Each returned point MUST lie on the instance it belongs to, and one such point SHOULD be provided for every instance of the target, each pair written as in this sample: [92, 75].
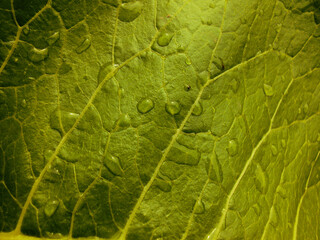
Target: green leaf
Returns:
[145, 119]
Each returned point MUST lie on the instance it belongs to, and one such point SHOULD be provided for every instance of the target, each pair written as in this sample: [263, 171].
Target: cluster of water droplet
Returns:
[171, 107]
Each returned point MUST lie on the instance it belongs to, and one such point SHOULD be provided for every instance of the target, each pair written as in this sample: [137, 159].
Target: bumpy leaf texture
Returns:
[160, 119]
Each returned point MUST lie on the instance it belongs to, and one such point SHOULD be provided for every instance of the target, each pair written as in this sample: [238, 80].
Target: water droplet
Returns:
[68, 119]
[183, 155]
[274, 217]
[234, 85]
[53, 38]
[218, 62]
[164, 39]
[68, 155]
[53, 235]
[202, 78]
[51, 207]
[257, 209]
[243, 20]
[113, 164]
[38, 55]
[77, 89]
[299, 110]
[277, 12]
[130, 11]
[278, 28]
[163, 185]
[15, 59]
[187, 87]
[276, 45]
[173, 107]
[283, 143]
[62, 120]
[232, 203]
[124, 121]
[268, 90]
[42, 132]
[316, 33]
[91, 121]
[305, 108]
[144, 54]
[113, 3]
[26, 30]
[282, 57]
[260, 179]
[188, 61]
[146, 105]
[64, 68]
[274, 150]
[232, 147]
[197, 111]
[47, 154]
[282, 191]
[53, 174]
[206, 21]
[83, 46]
[181, 48]
[23, 103]
[199, 207]
[103, 71]
[214, 168]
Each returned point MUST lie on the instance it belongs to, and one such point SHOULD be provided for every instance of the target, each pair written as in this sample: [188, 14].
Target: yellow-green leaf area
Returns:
[173, 119]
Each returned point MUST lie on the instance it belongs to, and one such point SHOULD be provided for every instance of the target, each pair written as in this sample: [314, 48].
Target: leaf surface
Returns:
[173, 119]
